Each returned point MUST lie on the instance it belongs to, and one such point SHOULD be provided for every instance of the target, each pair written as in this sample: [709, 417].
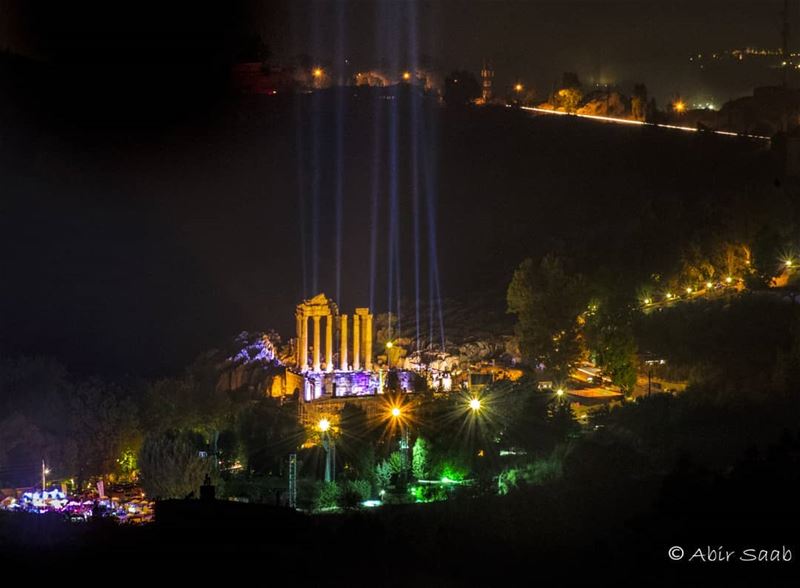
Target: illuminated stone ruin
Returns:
[351, 373]
[320, 307]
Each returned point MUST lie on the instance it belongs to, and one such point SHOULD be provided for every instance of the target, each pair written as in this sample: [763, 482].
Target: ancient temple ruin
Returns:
[318, 308]
[351, 372]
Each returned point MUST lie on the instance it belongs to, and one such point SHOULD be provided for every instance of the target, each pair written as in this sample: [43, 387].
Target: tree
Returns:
[420, 462]
[461, 88]
[172, 466]
[639, 102]
[547, 302]
[568, 99]
[356, 442]
[102, 423]
[268, 432]
[609, 335]
[383, 475]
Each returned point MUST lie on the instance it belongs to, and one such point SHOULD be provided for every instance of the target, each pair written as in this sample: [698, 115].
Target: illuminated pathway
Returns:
[625, 121]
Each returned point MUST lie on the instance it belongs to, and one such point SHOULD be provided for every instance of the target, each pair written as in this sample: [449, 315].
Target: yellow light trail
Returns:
[641, 123]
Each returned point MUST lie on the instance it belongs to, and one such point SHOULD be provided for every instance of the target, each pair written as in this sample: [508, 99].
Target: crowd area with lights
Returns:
[130, 506]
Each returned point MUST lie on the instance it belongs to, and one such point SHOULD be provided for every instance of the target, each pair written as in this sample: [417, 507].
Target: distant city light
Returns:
[709, 285]
[324, 425]
[317, 73]
[389, 345]
[406, 75]
[728, 280]
[560, 392]
[518, 87]
[679, 106]
[688, 290]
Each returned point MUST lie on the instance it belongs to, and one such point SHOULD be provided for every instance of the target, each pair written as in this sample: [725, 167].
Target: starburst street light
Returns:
[679, 106]
[330, 449]
[518, 87]
[317, 72]
[475, 404]
[396, 412]
[406, 75]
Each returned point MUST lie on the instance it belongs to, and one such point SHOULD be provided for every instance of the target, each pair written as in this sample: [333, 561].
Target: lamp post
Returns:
[397, 414]
[330, 450]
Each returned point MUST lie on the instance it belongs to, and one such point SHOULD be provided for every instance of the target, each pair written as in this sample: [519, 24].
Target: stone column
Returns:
[356, 342]
[368, 342]
[304, 343]
[343, 344]
[298, 339]
[329, 343]
[316, 318]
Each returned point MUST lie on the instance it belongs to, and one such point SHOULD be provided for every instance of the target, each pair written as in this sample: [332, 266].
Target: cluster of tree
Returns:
[562, 317]
[78, 428]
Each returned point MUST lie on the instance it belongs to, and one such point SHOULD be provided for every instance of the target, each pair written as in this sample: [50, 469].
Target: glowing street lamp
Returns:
[709, 285]
[406, 75]
[330, 449]
[560, 392]
[518, 87]
[475, 404]
[317, 72]
[679, 106]
[396, 414]
[788, 263]
[389, 345]
[728, 280]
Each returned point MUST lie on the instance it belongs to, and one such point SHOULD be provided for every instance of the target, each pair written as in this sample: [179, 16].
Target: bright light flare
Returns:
[317, 72]
[679, 106]
[406, 75]
[475, 404]
[396, 412]
[518, 87]
[324, 425]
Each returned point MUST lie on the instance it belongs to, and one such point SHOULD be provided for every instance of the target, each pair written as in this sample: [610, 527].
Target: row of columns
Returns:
[362, 333]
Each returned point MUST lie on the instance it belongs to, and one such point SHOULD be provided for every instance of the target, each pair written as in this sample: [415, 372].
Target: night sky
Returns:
[144, 216]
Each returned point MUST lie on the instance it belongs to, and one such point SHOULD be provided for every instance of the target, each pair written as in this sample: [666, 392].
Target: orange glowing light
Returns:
[679, 106]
